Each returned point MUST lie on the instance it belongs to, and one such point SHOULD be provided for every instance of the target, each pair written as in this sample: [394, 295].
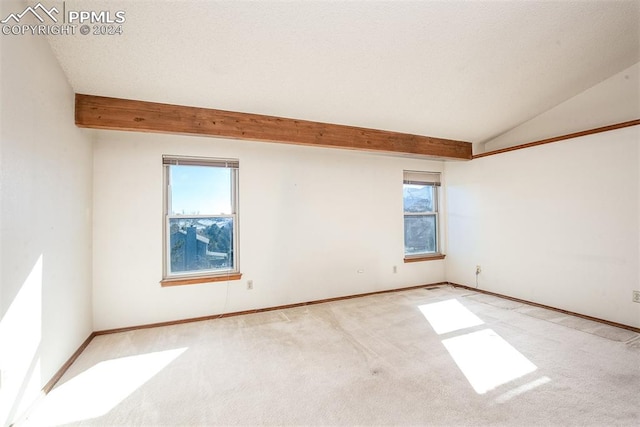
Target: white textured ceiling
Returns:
[452, 69]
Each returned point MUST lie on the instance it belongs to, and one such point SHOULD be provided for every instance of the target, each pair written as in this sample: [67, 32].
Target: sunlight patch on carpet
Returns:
[487, 360]
[102, 387]
[505, 397]
[449, 316]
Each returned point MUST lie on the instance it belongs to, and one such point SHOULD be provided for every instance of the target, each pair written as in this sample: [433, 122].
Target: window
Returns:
[201, 220]
[420, 199]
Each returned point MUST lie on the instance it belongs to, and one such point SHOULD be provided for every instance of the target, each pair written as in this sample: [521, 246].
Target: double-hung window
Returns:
[420, 199]
[201, 220]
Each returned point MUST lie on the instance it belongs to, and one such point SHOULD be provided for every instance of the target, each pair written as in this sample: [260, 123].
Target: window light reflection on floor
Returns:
[505, 397]
[485, 358]
[99, 389]
[449, 316]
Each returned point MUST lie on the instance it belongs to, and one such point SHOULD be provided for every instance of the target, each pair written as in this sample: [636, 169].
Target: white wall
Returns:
[45, 221]
[556, 224]
[310, 218]
[615, 100]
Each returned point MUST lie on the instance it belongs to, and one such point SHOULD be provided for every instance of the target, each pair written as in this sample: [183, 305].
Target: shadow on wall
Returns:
[20, 341]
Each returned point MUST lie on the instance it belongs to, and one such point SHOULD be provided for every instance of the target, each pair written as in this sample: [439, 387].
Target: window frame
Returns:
[432, 179]
[201, 276]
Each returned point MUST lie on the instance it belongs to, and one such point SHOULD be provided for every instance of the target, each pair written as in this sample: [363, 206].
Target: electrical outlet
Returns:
[249, 284]
[478, 270]
[636, 296]
[395, 269]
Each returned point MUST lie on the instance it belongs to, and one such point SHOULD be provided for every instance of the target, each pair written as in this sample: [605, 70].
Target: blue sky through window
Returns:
[200, 190]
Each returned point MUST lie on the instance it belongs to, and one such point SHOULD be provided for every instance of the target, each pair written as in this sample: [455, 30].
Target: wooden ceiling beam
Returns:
[98, 112]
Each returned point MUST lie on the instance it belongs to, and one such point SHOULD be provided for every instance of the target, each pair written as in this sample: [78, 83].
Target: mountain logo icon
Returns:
[39, 11]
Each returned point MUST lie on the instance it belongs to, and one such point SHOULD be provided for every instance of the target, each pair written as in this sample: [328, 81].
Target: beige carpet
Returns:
[422, 357]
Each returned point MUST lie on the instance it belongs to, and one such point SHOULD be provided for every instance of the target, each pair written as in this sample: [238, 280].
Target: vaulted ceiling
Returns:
[465, 70]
